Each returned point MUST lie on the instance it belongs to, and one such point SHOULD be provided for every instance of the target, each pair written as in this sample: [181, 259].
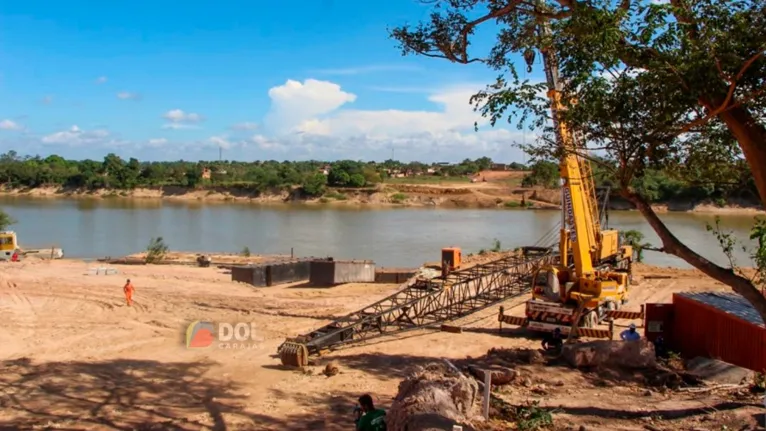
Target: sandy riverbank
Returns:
[500, 191]
[75, 356]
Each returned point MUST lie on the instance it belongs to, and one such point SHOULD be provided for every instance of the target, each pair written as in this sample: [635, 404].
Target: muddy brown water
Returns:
[402, 237]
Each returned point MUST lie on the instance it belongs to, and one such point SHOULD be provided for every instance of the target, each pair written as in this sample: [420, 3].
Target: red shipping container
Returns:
[721, 326]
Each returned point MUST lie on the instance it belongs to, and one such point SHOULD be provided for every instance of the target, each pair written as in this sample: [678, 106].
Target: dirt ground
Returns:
[74, 356]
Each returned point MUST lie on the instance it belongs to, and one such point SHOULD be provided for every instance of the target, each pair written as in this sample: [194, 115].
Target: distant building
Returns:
[499, 167]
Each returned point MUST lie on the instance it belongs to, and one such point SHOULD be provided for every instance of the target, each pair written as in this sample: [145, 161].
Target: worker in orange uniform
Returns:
[128, 289]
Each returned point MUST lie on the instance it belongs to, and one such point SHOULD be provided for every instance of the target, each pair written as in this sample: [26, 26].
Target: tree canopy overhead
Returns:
[667, 69]
[676, 85]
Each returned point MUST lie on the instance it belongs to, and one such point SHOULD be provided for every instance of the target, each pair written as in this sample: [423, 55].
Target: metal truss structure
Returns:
[423, 303]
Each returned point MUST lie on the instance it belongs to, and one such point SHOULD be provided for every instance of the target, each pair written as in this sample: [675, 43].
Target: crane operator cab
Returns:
[548, 285]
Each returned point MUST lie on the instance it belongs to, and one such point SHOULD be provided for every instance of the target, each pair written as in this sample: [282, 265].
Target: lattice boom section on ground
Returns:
[428, 302]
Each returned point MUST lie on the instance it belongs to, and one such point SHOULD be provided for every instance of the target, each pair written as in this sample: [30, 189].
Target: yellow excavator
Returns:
[593, 274]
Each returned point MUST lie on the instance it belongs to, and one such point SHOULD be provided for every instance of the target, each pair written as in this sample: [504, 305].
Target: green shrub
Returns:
[156, 250]
[398, 198]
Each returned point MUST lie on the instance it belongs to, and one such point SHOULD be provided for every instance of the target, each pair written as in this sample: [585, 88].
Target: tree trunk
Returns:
[752, 140]
[672, 245]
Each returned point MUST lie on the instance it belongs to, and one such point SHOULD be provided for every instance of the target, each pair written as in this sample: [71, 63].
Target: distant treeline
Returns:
[679, 184]
[313, 177]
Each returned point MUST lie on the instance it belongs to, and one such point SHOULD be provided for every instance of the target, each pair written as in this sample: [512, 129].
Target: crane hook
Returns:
[529, 57]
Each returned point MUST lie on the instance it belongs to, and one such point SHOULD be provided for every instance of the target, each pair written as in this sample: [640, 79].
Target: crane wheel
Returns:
[293, 354]
[590, 320]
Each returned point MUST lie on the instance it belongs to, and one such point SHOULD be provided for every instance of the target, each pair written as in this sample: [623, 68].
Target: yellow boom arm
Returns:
[580, 228]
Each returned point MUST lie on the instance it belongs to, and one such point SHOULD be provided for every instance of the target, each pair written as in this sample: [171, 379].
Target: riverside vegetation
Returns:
[307, 179]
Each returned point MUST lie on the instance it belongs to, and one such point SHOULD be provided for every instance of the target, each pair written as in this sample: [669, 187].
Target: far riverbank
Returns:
[472, 196]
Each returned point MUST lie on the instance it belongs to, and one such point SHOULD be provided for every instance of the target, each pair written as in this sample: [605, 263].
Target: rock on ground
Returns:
[626, 354]
[500, 375]
[434, 398]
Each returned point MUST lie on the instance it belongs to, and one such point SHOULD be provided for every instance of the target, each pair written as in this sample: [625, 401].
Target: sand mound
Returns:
[632, 354]
[432, 398]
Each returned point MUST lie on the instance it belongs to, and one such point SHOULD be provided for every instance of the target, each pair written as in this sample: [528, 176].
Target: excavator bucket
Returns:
[294, 354]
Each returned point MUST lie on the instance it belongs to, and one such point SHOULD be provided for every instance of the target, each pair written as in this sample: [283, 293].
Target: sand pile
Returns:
[434, 398]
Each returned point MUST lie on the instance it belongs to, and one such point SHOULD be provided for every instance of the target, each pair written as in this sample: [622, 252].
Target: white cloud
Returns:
[179, 119]
[179, 116]
[75, 136]
[295, 102]
[156, 142]
[101, 80]
[311, 118]
[9, 125]
[245, 126]
[220, 141]
[126, 95]
[317, 119]
[313, 108]
[179, 126]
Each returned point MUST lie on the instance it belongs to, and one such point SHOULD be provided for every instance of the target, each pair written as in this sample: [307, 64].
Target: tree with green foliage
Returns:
[314, 185]
[676, 86]
[273, 177]
[542, 173]
[356, 180]
[6, 220]
[156, 250]
[635, 239]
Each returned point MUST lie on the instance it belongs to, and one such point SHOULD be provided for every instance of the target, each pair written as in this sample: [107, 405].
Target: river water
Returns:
[405, 237]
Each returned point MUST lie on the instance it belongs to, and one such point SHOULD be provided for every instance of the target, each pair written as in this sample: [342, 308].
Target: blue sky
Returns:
[169, 80]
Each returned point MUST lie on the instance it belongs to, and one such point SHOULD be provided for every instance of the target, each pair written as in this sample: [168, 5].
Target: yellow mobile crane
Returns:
[593, 274]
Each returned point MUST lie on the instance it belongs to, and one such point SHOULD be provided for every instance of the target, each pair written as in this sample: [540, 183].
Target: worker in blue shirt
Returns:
[630, 334]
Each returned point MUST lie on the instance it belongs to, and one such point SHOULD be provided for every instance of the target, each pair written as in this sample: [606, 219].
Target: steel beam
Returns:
[425, 302]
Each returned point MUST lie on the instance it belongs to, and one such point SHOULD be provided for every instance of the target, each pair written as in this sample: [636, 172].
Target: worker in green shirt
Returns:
[368, 418]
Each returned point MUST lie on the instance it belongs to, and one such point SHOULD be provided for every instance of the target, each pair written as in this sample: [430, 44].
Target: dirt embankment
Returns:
[498, 190]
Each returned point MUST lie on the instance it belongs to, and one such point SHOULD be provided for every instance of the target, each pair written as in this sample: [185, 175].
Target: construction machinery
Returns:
[592, 275]
[422, 302]
[8, 245]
